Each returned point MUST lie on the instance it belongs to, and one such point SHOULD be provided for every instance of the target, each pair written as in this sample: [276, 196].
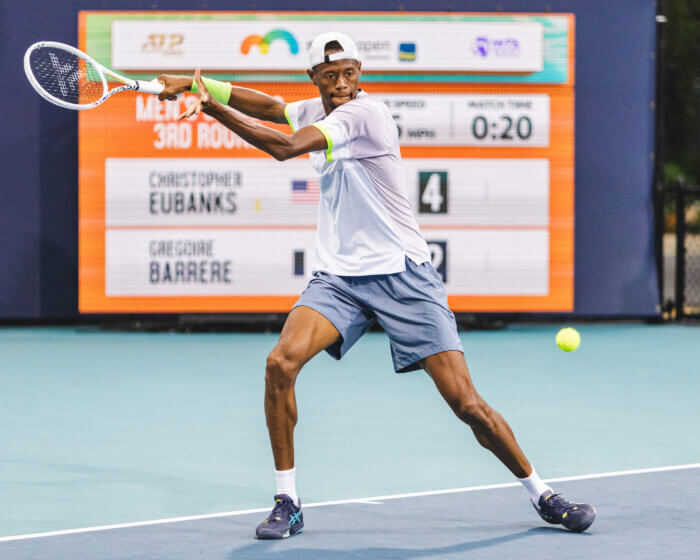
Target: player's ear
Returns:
[311, 76]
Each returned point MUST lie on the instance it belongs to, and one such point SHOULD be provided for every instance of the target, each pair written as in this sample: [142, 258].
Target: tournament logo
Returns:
[407, 52]
[375, 50]
[481, 46]
[167, 44]
[263, 42]
[507, 47]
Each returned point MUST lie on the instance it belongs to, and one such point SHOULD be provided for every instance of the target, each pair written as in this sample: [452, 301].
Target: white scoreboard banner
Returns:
[219, 226]
[243, 191]
[490, 120]
[470, 120]
[283, 45]
[168, 262]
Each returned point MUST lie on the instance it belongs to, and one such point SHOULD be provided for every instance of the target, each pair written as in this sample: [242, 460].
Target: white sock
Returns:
[286, 484]
[534, 486]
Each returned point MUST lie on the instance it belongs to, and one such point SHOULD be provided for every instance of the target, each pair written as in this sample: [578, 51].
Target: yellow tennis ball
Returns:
[568, 339]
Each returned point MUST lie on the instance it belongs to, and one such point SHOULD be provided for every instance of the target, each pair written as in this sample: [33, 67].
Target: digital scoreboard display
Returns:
[178, 217]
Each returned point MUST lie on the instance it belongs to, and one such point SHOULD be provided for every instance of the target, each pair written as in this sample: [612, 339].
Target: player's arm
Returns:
[279, 145]
[249, 101]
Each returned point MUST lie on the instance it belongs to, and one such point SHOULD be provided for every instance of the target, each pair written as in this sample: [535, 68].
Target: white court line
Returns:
[341, 502]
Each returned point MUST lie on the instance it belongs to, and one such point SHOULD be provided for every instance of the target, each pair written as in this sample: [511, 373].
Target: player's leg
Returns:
[451, 376]
[412, 308]
[305, 333]
[327, 316]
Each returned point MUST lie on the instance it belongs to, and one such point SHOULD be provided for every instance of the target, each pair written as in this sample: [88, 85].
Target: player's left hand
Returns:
[204, 99]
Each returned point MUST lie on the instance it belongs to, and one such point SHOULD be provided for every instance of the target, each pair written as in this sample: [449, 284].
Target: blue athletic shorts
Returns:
[411, 306]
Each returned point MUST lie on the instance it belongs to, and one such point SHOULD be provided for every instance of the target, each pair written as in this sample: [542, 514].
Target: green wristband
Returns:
[221, 91]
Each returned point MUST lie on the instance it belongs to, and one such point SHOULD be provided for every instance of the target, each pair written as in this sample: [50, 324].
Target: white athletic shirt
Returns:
[365, 223]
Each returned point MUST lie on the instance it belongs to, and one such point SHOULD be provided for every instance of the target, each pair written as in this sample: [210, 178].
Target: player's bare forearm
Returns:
[257, 104]
[253, 103]
[279, 145]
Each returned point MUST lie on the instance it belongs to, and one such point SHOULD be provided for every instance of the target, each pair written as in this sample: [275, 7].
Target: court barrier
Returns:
[687, 269]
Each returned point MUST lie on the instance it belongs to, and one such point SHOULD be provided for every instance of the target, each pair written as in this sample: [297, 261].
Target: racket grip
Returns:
[154, 86]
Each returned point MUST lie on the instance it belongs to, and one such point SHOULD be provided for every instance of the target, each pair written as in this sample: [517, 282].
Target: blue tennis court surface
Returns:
[640, 517]
[104, 428]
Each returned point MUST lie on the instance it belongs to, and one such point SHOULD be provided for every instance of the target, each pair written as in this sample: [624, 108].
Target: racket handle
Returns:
[154, 86]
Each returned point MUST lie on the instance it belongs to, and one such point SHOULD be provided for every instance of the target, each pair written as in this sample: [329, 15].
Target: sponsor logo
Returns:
[407, 52]
[507, 47]
[167, 44]
[375, 50]
[369, 47]
[370, 50]
[66, 74]
[305, 191]
[263, 42]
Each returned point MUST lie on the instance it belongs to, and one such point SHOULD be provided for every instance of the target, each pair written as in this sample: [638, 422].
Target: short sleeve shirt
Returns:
[365, 221]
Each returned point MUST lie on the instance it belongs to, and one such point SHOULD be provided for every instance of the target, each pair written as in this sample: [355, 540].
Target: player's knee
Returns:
[281, 371]
[472, 410]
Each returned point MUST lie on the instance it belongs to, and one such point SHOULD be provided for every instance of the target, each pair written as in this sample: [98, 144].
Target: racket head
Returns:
[65, 76]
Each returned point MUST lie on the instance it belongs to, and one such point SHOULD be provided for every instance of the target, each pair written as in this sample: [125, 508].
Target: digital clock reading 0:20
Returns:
[477, 120]
[507, 127]
[504, 120]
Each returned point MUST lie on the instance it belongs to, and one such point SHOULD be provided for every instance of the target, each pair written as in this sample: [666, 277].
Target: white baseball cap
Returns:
[317, 52]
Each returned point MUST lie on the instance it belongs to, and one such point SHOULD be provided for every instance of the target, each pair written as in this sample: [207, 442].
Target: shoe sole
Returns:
[284, 535]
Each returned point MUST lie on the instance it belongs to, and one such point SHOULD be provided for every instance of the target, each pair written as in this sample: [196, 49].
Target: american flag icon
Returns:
[305, 191]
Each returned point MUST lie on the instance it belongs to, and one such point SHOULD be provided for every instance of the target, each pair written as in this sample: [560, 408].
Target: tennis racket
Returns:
[69, 78]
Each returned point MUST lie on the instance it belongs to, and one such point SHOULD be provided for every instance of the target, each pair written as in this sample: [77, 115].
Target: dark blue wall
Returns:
[615, 273]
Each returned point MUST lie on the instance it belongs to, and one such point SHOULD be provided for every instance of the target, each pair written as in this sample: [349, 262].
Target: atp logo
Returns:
[264, 43]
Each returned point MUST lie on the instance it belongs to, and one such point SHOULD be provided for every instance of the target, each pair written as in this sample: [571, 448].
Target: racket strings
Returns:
[66, 76]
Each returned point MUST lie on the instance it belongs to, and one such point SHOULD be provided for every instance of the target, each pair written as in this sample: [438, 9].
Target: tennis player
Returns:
[371, 265]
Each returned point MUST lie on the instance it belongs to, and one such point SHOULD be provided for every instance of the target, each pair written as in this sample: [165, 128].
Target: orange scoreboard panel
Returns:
[179, 217]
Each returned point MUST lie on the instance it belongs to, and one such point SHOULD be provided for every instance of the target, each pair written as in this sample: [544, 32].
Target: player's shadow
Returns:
[271, 550]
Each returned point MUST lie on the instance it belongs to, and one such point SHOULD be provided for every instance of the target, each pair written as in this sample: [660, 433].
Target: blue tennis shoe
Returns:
[285, 520]
[558, 511]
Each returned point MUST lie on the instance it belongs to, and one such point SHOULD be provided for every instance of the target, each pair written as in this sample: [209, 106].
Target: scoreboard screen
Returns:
[178, 217]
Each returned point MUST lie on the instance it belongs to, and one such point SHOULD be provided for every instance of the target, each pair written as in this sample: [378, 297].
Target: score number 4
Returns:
[432, 192]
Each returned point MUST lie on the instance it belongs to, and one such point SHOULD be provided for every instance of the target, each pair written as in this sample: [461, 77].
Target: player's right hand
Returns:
[173, 86]
[204, 99]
